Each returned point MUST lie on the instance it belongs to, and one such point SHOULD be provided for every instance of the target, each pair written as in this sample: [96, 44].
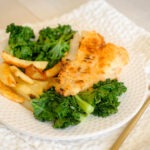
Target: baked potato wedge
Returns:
[23, 63]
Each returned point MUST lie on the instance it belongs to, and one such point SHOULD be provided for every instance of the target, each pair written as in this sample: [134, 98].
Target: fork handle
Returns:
[130, 126]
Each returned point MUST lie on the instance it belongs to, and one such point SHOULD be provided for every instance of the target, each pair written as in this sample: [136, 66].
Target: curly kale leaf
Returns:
[104, 97]
[54, 42]
[21, 42]
[62, 111]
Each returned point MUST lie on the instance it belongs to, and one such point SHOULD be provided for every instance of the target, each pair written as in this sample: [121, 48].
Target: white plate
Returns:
[18, 118]
[116, 29]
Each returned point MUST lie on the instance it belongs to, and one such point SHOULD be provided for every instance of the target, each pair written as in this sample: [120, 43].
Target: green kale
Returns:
[54, 43]
[62, 111]
[51, 45]
[21, 42]
[101, 100]
[104, 97]
[86, 107]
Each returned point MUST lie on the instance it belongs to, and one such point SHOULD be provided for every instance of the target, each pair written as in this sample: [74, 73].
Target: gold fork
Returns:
[130, 126]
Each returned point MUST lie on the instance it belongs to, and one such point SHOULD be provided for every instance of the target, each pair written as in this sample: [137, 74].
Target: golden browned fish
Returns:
[94, 61]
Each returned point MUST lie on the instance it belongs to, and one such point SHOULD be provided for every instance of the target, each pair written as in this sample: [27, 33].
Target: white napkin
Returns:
[50, 8]
[97, 10]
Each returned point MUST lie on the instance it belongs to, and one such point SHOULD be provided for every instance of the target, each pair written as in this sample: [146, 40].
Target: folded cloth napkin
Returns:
[100, 16]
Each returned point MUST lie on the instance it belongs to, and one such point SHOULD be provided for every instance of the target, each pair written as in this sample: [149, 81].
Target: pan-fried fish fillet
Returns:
[95, 61]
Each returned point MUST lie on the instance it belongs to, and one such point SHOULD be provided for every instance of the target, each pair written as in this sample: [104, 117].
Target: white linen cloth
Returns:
[139, 138]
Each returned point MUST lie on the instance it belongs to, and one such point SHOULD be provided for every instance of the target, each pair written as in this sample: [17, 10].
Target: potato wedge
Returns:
[30, 90]
[18, 73]
[6, 76]
[35, 73]
[39, 87]
[23, 63]
[10, 94]
[54, 70]
[24, 90]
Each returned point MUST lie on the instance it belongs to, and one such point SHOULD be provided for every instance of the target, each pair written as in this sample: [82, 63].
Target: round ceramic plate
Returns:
[18, 118]
[116, 29]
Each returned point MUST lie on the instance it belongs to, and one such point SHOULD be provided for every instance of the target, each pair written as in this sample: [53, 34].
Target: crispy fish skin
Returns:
[95, 61]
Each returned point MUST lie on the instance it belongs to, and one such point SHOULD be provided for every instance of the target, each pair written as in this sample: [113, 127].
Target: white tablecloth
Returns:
[139, 139]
